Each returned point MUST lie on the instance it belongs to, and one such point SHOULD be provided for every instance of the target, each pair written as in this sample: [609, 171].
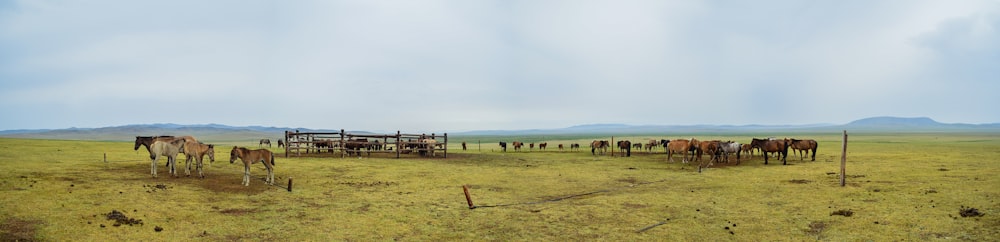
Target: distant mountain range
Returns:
[219, 132]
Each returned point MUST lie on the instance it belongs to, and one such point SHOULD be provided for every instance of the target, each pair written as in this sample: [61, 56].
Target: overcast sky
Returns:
[440, 66]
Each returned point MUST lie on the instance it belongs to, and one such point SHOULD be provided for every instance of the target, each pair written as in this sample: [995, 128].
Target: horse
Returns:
[729, 147]
[804, 145]
[197, 151]
[264, 141]
[503, 145]
[463, 145]
[711, 147]
[767, 145]
[650, 144]
[599, 145]
[427, 145]
[574, 146]
[637, 146]
[542, 146]
[252, 156]
[625, 146]
[170, 149]
[747, 150]
[560, 147]
[148, 140]
[517, 145]
[531, 146]
[281, 143]
[678, 145]
[355, 145]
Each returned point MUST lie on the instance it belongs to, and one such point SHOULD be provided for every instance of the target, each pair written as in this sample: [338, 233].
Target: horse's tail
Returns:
[272, 159]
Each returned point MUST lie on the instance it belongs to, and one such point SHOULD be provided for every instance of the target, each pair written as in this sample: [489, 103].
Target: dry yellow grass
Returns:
[900, 187]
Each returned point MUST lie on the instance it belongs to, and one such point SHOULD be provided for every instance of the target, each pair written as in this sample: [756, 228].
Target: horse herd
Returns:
[720, 151]
[170, 146]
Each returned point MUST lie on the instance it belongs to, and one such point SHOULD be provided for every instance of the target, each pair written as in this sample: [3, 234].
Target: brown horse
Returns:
[747, 150]
[560, 147]
[804, 145]
[197, 151]
[170, 149]
[776, 146]
[678, 146]
[542, 146]
[574, 146]
[517, 145]
[599, 145]
[711, 147]
[626, 147]
[463, 145]
[281, 143]
[252, 156]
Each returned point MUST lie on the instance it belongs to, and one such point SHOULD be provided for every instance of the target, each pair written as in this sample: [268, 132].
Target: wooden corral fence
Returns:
[348, 144]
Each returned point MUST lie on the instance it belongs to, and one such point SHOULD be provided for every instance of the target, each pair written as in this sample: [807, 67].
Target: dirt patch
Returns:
[816, 228]
[799, 181]
[630, 180]
[238, 211]
[120, 219]
[361, 184]
[970, 212]
[634, 205]
[843, 212]
[14, 229]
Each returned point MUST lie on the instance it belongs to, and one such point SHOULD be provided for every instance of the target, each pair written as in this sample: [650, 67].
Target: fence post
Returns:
[843, 162]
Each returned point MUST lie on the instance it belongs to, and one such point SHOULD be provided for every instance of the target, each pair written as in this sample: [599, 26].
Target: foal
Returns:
[251, 156]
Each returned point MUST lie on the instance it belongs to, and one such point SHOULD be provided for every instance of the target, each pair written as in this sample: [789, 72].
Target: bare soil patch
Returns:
[15, 229]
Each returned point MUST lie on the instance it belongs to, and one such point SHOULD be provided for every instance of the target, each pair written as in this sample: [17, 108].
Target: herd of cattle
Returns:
[720, 151]
[170, 146]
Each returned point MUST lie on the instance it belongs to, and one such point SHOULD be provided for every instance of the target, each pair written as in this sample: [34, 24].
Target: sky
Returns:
[456, 65]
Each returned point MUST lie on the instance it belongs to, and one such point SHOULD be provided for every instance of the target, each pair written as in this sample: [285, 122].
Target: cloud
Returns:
[457, 65]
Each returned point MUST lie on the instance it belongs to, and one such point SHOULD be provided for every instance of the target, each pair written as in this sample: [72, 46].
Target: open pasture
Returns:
[899, 187]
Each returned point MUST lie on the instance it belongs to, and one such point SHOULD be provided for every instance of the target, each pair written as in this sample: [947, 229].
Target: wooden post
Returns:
[610, 146]
[843, 162]
[446, 145]
[467, 197]
[289, 184]
[398, 147]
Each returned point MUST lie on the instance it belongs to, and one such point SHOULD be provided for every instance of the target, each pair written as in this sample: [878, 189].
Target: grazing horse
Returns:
[531, 146]
[281, 143]
[560, 147]
[804, 145]
[637, 146]
[678, 146]
[599, 145]
[197, 151]
[776, 146]
[542, 146]
[253, 156]
[503, 146]
[625, 146]
[170, 149]
[652, 143]
[729, 147]
[517, 145]
[574, 146]
[463, 145]
[264, 141]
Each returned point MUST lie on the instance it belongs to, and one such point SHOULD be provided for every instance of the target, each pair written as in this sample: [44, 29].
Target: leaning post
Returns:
[843, 162]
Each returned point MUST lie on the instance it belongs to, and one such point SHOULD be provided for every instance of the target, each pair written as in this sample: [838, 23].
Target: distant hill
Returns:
[219, 132]
[208, 132]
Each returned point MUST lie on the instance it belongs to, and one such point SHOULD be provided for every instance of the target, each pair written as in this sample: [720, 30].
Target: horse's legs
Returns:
[200, 172]
[187, 164]
[246, 175]
[153, 169]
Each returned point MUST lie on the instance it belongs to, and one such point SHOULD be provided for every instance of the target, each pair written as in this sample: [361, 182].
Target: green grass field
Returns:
[899, 187]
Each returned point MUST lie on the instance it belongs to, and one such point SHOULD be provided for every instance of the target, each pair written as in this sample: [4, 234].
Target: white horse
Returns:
[731, 147]
[166, 148]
